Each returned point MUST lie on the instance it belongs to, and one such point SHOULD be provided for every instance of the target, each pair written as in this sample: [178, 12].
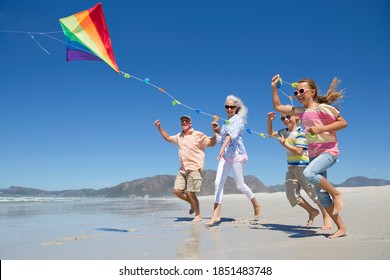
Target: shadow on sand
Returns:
[112, 229]
[293, 230]
[189, 219]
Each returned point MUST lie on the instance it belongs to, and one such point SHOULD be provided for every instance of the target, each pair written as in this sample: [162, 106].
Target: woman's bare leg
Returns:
[216, 218]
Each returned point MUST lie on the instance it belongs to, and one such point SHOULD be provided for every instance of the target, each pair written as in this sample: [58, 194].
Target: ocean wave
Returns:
[38, 199]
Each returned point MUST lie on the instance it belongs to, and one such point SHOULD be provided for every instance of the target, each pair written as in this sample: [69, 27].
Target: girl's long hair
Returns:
[331, 96]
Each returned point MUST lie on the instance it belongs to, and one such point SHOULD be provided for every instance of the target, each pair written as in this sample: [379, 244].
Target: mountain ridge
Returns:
[161, 186]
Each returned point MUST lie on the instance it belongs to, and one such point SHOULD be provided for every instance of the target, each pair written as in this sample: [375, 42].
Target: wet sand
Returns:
[164, 231]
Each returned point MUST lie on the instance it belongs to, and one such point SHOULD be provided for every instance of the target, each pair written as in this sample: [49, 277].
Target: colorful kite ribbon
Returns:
[88, 39]
[198, 110]
[293, 85]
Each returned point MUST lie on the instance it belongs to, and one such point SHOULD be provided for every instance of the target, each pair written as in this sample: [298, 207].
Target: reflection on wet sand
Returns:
[201, 241]
[188, 248]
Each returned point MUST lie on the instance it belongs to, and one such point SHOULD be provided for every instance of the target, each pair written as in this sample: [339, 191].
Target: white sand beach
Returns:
[282, 234]
[166, 232]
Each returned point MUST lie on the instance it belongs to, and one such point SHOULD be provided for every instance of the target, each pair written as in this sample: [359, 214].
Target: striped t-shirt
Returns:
[296, 138]
[325, 142]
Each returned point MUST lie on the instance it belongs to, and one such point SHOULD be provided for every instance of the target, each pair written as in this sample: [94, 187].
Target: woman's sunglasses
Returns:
[230, 107]
[301, 91]
[285, 117]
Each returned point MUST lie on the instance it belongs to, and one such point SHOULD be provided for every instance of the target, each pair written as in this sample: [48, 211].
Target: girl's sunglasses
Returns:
[285, 117]
[301, 91]
[230, 107]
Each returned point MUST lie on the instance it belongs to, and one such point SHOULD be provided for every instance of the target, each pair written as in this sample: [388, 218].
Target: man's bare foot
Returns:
[338, 203]
[312, 215]
[214, 221]
[191, 211]
[197, 219]
[338, 233]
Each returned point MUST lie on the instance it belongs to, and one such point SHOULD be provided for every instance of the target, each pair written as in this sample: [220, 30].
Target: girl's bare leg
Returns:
[341, 229]
[336, 195]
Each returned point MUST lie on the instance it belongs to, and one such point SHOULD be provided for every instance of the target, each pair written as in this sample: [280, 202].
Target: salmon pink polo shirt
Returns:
[192, 147]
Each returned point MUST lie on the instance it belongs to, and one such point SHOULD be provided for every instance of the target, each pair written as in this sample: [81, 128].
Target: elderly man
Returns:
[191, 147]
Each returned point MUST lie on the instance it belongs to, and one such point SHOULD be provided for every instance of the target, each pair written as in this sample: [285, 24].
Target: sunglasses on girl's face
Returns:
[285, 117]
[301, 91]
[230, 107]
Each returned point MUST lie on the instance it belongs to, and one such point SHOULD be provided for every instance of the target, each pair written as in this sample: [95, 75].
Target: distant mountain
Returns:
[276, 188]
[157, 186]
[360, 181]
[161, 186]
[22, 191]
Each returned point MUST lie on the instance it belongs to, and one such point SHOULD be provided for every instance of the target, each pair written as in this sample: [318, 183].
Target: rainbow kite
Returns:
[88, 37]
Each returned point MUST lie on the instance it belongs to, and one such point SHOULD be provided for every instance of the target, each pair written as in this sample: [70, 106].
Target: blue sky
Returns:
[70, 125]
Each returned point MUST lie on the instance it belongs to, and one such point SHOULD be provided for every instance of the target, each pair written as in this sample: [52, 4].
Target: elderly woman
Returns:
[232, 156]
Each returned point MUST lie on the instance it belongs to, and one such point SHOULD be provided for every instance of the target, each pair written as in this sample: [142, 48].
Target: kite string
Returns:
[29, 32]
[66, 43]
[147, 81]
[33, 38]
[48, 36]
[289, 97]
[174, 100]
[197, 110]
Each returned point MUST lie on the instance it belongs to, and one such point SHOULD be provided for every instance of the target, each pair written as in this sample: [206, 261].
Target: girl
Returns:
[320, 121]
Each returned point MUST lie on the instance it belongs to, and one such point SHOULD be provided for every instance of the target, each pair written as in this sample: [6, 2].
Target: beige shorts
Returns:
[294, 182]
[189, 181]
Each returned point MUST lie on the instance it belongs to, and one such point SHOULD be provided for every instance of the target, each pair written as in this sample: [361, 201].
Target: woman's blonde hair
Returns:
[242, 110]
[331, 96]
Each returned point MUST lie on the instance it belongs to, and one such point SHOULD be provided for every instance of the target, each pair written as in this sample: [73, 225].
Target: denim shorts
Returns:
[314, 172]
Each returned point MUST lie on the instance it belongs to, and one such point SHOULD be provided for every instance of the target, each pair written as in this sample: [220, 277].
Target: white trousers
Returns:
[222, 174]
